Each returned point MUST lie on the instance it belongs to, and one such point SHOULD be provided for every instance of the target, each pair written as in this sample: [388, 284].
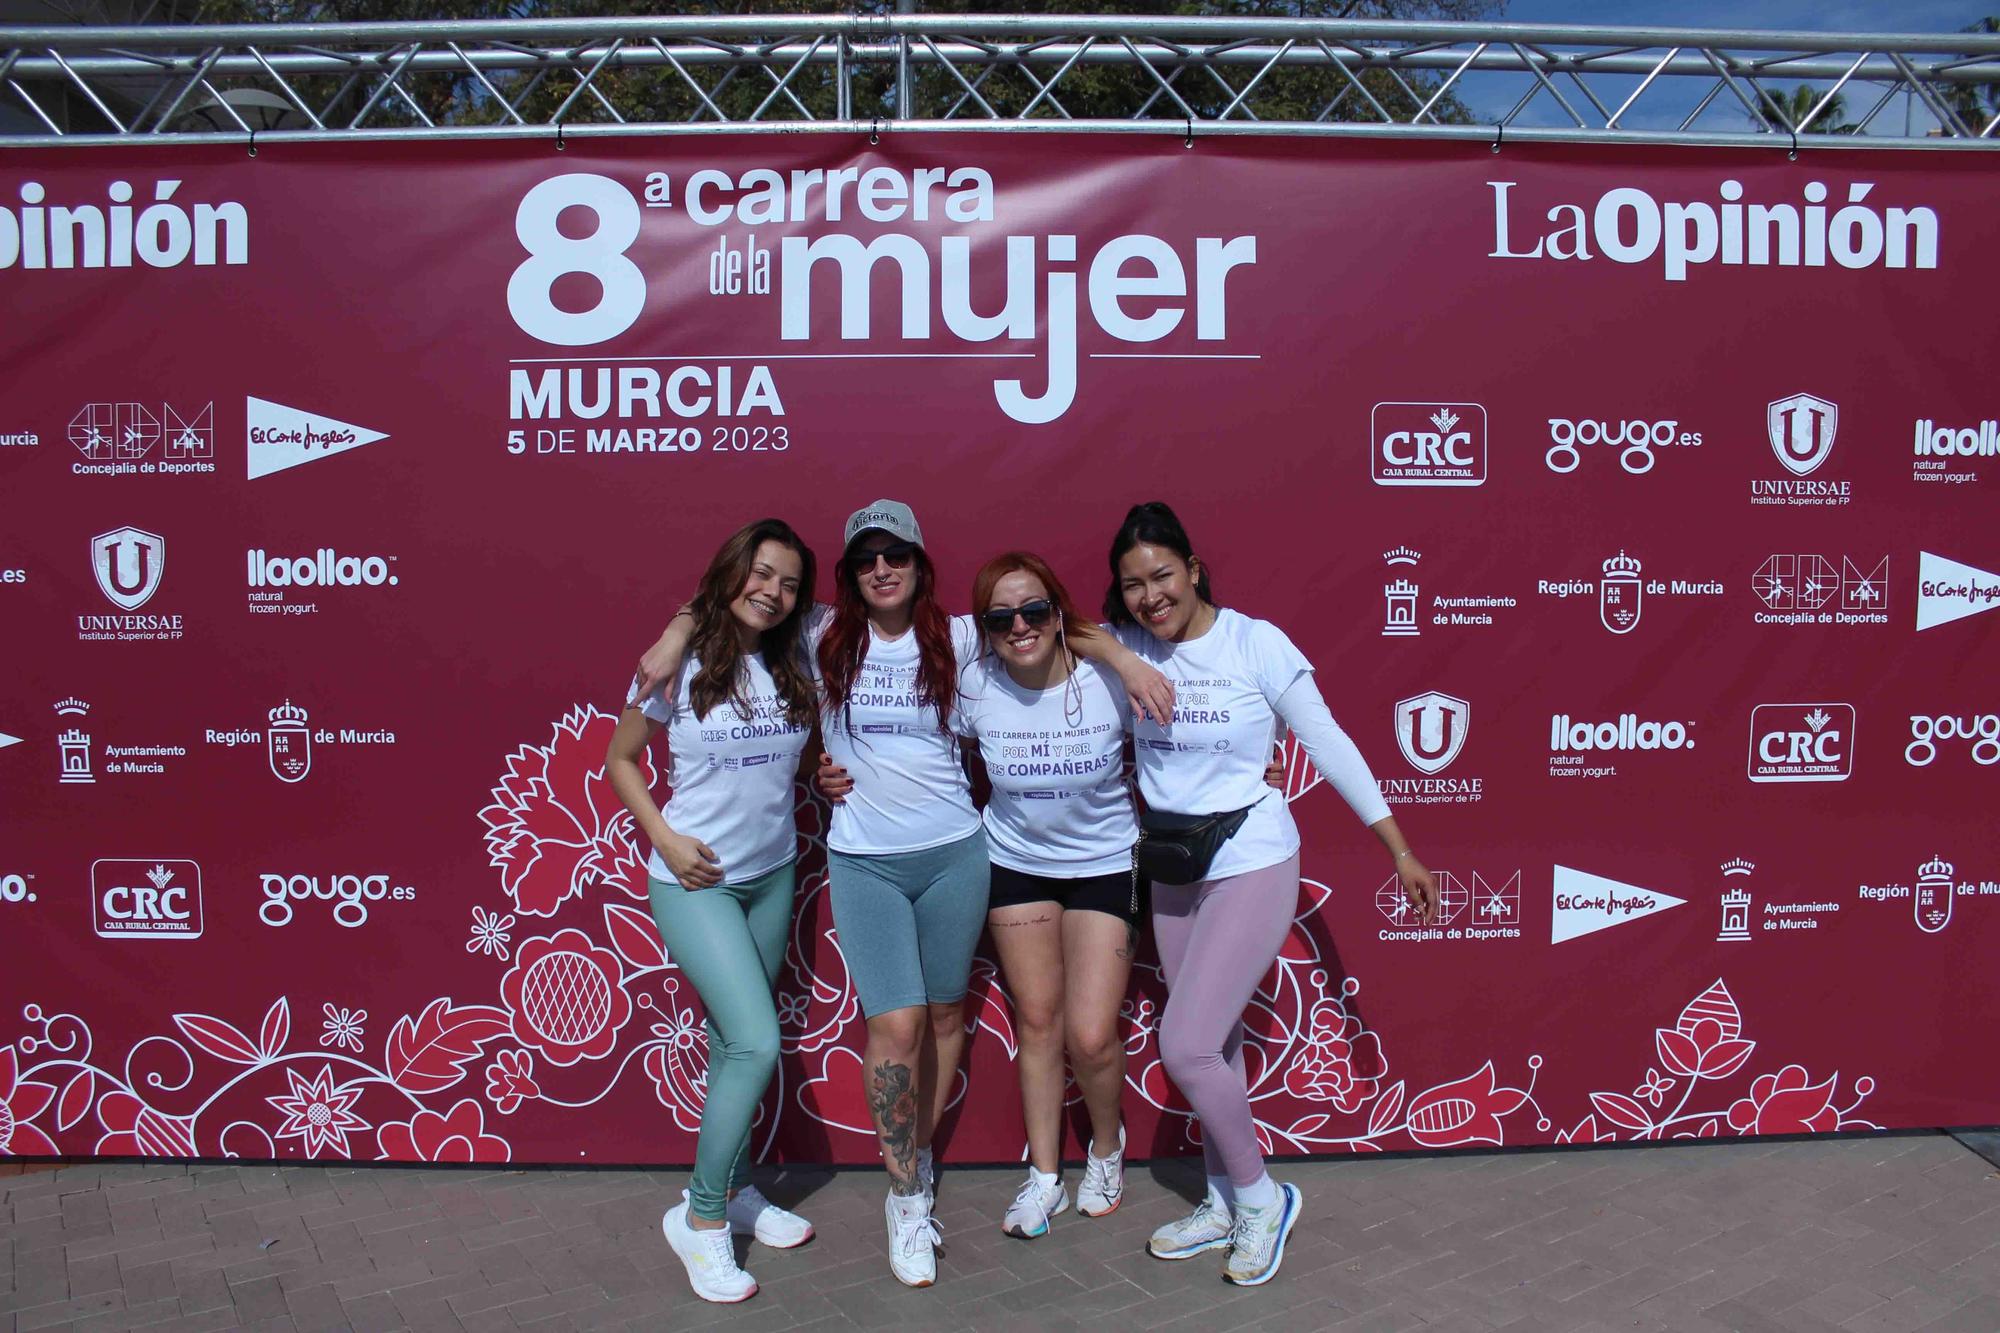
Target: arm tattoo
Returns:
[893, 1101]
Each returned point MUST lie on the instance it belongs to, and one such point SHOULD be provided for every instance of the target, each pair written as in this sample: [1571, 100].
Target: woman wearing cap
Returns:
[1066, 896]
[737, 714]
[1224, 854]
[907, 855]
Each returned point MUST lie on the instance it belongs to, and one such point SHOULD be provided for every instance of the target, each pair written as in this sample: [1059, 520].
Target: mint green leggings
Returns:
[729, 941]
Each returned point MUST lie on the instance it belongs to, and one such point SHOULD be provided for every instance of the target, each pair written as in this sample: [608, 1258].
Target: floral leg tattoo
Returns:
[892, 1098]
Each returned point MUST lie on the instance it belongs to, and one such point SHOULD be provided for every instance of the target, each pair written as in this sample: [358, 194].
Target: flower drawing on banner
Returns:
[318, 1113]
[21, 1100]
[567, 997]
[816, 1000]
[1341, 1063]
[555, 827]
[1706, 1046]
[459, 1135]
[1655, 1088]
[490, 933]
[678, 1062]
[510, 1081]
[1467, 1111]
[343, 1027]
[134, 1129]
[1786, 1102]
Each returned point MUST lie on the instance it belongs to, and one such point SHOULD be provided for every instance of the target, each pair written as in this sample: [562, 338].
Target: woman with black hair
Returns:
[1232, 851]
[737, 714]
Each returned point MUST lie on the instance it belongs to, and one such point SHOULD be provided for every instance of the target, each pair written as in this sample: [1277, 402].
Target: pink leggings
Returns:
[1216, 940]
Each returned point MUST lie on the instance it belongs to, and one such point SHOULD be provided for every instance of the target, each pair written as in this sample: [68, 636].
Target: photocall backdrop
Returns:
[1636, 507]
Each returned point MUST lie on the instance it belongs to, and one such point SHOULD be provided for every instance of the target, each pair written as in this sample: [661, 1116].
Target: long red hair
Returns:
[845, 642]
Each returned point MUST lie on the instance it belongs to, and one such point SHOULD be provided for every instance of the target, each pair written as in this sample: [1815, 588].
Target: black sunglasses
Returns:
[1001, 618]
[897, 554]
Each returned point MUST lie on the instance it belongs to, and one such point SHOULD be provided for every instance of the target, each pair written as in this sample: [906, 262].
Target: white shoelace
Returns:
[1033, 1195]
[717, 1249]
[912, 1233]
[1098, 1172]
[1250, 1225]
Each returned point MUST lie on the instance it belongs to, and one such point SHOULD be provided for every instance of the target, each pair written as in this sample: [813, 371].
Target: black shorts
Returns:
[1122, 894]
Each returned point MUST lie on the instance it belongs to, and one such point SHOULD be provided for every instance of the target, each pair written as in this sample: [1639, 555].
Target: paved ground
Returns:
[1871, 1235]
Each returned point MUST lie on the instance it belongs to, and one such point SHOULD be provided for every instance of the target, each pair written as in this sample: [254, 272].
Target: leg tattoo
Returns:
[893, 1101]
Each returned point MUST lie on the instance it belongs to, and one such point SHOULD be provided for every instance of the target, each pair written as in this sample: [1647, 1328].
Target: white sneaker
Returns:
[710, 1258]
[751, 1214]
[1028, 1216]
[1207, 1228]
[1258, 1239]
[913, 1239]
[1103, 1187]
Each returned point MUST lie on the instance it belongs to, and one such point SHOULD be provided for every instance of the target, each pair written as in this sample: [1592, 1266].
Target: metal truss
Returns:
[1190, 76]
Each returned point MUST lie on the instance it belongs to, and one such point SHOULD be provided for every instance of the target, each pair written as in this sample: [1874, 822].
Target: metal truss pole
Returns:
[1012, 73]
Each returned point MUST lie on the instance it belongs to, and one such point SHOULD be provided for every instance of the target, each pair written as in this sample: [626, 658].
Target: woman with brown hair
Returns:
[907, 858]
[737, 713]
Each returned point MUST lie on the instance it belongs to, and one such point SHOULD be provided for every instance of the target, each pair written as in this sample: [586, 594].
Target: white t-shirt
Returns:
[910, 790]
[1227, 685]
[731, 776]
[1060, 805]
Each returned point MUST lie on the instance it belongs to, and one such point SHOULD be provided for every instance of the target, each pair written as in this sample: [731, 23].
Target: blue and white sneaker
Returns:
[1207, 1228]
[1028, 1216]
[1257, 1242]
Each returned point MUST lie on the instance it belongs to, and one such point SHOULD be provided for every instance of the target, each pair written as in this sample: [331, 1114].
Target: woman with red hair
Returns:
[907, 857]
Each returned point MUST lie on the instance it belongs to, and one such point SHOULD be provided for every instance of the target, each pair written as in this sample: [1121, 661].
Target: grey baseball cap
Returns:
[890, 516]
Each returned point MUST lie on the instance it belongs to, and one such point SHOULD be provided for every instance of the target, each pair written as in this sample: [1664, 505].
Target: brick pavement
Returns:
[1871, 1235]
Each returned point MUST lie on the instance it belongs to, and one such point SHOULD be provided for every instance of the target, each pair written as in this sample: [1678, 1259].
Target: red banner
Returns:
[1635, 506]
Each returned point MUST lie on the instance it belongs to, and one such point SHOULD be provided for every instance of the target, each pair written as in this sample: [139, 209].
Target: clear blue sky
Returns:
[1810, 15]
[1664, 105]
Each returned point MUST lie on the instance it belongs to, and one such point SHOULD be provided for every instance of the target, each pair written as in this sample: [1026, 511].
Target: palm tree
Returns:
[1786, 110]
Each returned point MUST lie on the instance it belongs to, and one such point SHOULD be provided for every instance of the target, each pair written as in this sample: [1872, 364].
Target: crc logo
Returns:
[128, 563]
[1634, 441]
[1430, 729]
[1925, 733]
[1801, 742]
[350, 895]
[1801, 429]
[152, 899]
[1427, 444]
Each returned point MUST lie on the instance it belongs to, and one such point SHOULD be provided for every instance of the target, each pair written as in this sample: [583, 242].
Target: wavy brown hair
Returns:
[845, 642]
[715, 640]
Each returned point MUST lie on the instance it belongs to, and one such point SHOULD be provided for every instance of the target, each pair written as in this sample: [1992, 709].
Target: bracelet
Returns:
[1405, 852]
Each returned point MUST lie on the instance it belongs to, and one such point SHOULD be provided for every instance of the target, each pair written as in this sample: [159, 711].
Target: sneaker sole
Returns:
[782, 1244]
[908, 1283]
[1293, 1201]
[1102, 1212]
[1219, 1243]
[1060, 1209]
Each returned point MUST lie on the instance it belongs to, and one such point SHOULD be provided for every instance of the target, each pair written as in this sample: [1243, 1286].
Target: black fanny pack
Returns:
[1177, 849]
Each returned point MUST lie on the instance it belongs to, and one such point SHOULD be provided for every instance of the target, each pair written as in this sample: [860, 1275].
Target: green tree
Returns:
[1796, 105]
